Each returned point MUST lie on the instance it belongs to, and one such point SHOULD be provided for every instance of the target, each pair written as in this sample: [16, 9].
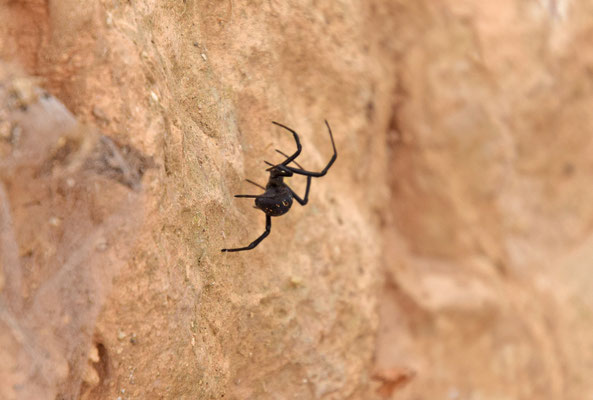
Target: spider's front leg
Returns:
[256, 241]
[296, 139]
[255, 183]
[301, 171]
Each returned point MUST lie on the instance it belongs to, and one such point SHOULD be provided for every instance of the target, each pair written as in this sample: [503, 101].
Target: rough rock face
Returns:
[445, 254]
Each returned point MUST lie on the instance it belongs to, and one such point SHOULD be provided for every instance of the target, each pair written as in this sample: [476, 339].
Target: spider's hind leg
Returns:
[305, 199]
[256, 241]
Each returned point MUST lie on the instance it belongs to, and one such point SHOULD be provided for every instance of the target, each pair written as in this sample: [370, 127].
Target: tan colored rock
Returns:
[445, 255]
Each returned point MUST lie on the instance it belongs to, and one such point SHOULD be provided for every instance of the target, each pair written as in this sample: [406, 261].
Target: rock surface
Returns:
[445, 255]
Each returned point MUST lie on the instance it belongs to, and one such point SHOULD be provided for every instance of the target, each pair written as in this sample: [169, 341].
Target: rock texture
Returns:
[445, 255]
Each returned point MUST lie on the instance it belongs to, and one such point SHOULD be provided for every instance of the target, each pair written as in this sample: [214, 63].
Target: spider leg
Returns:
[284, 154]
[301, 171]
[256, 184]
[254, 196]
[296, 139]
[256, 241]
[305, 199]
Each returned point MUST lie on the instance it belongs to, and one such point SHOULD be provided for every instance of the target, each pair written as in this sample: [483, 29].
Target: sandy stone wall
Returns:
[445, 255]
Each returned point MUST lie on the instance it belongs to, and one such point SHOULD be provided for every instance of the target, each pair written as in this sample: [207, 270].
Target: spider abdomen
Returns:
[277, 204]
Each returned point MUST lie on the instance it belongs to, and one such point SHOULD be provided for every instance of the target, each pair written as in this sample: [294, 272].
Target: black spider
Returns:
[277, 198]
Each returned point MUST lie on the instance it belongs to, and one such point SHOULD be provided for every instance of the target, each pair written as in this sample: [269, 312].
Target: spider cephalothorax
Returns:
[277, 197]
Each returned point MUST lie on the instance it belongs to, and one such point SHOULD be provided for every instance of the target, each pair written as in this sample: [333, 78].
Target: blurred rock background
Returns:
[446, 255]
